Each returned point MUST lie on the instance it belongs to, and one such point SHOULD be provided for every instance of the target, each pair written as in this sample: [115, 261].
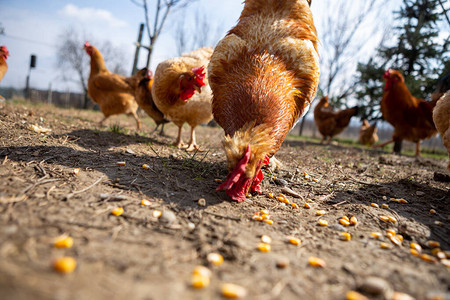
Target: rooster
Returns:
[411, 117]
[263, 74]
[112, 92]
[144, 98]
[368, 134]
[181, 92]
[329, 122]
[4, 53]
[441, 112]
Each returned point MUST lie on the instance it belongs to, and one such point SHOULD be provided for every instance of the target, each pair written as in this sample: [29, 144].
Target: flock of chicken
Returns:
[256, 83]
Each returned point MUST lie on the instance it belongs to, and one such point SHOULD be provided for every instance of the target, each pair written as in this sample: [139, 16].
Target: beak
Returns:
[198, 89]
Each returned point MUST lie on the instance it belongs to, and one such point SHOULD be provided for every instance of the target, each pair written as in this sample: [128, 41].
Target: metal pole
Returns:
[138, 47]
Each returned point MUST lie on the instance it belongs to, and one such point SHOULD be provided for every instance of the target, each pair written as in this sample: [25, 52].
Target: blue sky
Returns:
[32, 27]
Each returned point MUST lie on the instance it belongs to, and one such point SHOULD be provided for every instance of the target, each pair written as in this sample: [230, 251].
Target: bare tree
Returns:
[162, 10]
[73, 62]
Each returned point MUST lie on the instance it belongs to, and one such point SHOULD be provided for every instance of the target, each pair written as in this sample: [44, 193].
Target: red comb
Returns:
[149, 74]
[199, 75]
[87, 44]
[387, 73]
[4, 49]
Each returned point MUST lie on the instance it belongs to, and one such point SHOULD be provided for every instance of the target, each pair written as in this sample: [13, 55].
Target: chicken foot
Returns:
[179, 142]
[192, 142]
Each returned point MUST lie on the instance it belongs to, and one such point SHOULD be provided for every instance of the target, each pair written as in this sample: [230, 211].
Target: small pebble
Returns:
[376, 286]
[282, 263]
[280, 182]
[338, 227]
[167, 217]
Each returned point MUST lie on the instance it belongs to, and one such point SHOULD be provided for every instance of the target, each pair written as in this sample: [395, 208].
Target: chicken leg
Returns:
[179, 142]
[135, 116]
[192, 143]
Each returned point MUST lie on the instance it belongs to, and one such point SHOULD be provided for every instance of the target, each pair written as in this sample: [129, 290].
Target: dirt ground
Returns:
[139, 256]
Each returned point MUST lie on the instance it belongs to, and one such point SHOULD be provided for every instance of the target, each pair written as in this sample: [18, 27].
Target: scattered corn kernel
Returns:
[390, 232]
[323, 222]
[121, 163]
[233, 291]
[433, 244]
[218, 180]
[76, 171]
[384, 205]
[346, 218]
[294, 240]
[353, 220]
[345, 236]
[440, 255]
[63, 241]
[344, 222]
[157, 213]
[199, 281]
[264, 212]
[65, 264]
[294, 205]
[414, 252]
[316, 262]
[446, 262]
[374, 205]
[202, 271]
[215, 259]
[264, 247]
[145, 202]
[376, 235]
[265, 217]
[402, 201]
[438, 223]
[447, 254]
[385, 246]
[283, 199]
[428, 258]
[352, 295]
[257, 218]
[145, 166]
[395, 240]
[399, 237]
[432, 211]
[271, 195]
[307, 177]
[266, 239]
[320, 212]
[117, 211]
[306, 205]
[394, 199]
[384, 218]
[435, 251]
[270, 222]
[392, 219]
[416, 247]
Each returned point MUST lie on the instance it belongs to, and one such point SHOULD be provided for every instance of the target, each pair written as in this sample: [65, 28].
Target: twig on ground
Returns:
[356, 180]
[340, 203]
[223, 216]
[68, 196]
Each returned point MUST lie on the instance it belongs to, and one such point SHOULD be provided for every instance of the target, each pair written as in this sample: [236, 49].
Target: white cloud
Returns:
[88, 14]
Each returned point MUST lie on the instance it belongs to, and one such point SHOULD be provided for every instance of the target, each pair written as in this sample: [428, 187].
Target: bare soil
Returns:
[139, 256]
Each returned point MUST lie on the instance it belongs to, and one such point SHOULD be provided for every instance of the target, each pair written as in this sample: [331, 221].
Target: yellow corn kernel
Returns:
[435, 251]
[446, 262]
[65, 264]
[202, 271]
[345, 236]
[307, 177]
[157, 213]
[384, 205]
[294, 240]
[121, 163]
[323, 222]
[76, 171]
[428, 258]
[433, 244]
[390, 232]
[432, 211]
[376, 235]
[145, 166]
[233, 291]
[402, 201]
[384, 218]
[395, 240]
[385, 246]
[392, 219]
[214, 259]
[399, 237]
[218, 180]
[271, 195]
[346, 218]
[447, 254]
[270, 222]
[265, 217]
[266, 239]
[344, 222]
[199, 281]
[117, 211]
[263, 247]
[353, 220]
[294, 205]
[257, 218]
[63, 241]
[316, 262]
[306, 205]
[374, 205]
[320, 212]
[440, 255]
[414, 252]
[145, 202]
[283, 199]
[416, 247]
[395, 200]
[352, 295]
[264, 212]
